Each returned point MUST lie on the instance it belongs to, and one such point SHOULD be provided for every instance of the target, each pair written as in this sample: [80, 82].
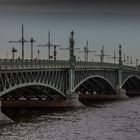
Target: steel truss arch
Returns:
[30, 84]
[94, 76]
[129, 77]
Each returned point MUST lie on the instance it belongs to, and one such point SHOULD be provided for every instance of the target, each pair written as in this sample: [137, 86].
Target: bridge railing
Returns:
[34, 64]
[81, 64]
[96, 65]
[7, 64]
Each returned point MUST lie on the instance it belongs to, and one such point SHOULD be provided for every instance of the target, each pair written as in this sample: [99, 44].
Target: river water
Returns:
[118, 120]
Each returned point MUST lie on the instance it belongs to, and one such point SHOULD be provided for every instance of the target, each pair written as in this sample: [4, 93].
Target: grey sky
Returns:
[106, 23]
[82, 6]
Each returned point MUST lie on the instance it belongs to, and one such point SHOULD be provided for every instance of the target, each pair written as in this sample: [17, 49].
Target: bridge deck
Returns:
[9, 64]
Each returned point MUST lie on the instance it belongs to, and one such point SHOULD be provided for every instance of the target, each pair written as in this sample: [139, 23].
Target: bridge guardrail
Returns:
[7, 64]
[94, 65]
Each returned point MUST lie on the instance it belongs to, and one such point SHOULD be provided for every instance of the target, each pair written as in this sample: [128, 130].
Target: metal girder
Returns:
[29, 84]
[55, 75]
[93, 77]
[132, 83]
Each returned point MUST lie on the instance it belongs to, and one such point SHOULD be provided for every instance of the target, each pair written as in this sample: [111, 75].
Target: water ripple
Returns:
[110, 121]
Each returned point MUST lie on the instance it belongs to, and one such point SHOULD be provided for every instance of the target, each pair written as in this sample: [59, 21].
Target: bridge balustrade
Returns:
[96, 65]
[7, 64]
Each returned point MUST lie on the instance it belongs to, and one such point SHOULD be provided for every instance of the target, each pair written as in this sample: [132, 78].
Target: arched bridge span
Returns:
[32, 90]
[95, 84]
[60, 77]
[51, 82]
[132, 85]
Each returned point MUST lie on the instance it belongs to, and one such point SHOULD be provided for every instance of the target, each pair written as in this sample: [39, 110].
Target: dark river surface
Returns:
[118, 120]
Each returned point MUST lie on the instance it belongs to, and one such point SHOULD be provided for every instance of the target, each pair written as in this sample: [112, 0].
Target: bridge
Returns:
[65, 80]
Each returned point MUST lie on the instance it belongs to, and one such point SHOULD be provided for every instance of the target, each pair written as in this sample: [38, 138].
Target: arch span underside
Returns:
[132, 85]
[32, 90]
[95, 84]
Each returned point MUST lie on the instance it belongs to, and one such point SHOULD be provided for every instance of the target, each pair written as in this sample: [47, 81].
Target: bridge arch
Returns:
[132, 85]
[99, 80]
[24, 85]
[129, 77]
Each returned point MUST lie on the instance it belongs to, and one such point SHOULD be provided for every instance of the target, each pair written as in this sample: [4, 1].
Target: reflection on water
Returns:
[31, 114]
[107, 121]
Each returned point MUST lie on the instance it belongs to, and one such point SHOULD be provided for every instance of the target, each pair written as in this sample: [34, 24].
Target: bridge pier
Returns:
[119, 78]
[122, 94]
[72, 100]
[3, 118]
[120, 91]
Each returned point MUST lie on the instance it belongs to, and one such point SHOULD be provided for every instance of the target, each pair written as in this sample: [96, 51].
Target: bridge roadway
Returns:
[59, 80]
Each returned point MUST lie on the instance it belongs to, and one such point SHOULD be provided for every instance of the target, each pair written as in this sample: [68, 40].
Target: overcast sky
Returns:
[102, 22]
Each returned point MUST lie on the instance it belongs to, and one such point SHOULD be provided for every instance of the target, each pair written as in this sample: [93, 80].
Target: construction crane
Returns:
[49, 45]
[13, 53]
[86, 51]
[22, 41]
[102, 55]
